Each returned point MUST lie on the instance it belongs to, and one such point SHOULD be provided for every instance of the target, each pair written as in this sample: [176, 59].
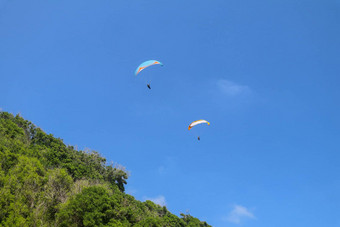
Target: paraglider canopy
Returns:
[147, 64]
[197, 123]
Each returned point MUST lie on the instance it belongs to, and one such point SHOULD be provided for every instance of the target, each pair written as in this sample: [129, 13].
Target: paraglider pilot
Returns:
[148, 86]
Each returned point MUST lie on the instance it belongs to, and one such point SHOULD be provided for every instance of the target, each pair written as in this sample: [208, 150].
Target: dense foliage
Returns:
[44, 182]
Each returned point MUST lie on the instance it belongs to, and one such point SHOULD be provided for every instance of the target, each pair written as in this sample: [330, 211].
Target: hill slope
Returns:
[44, 182]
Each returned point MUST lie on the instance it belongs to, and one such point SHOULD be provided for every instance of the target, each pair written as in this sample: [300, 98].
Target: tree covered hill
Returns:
[44, 182]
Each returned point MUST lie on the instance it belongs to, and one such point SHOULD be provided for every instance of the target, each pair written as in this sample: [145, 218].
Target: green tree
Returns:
[92, 207]
[56, 191]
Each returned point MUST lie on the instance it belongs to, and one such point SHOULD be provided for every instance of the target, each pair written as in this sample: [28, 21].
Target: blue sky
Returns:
[264, 73]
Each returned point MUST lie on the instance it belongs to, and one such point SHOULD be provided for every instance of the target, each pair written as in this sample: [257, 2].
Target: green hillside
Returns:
[44, 182]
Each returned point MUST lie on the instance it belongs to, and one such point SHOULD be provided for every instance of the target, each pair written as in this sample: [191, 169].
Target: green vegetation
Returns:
[44, 182]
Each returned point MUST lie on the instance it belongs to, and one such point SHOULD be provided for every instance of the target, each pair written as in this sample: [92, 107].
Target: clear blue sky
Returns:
[264, 73]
